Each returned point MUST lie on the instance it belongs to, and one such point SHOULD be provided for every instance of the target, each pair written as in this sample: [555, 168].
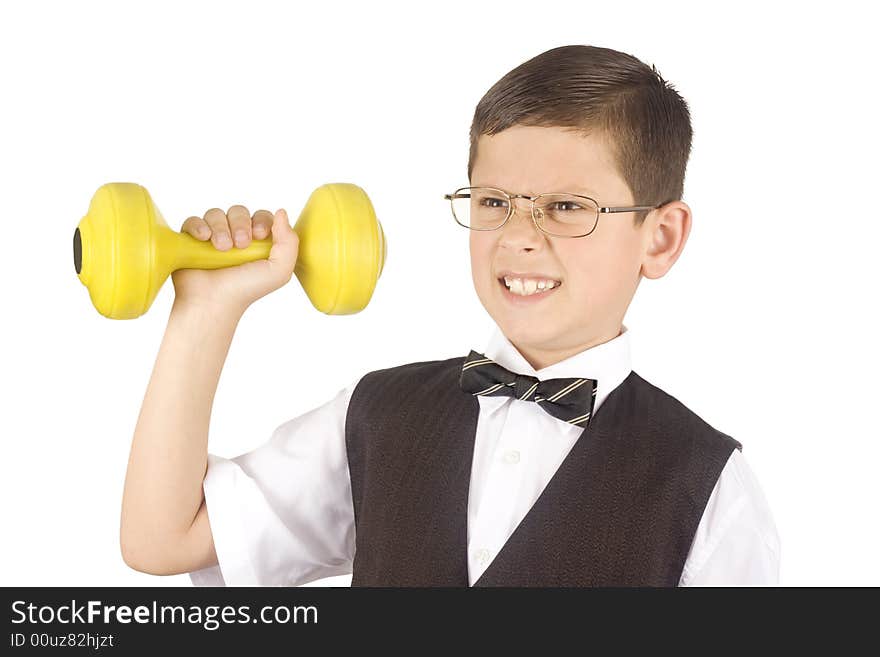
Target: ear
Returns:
[666, 232]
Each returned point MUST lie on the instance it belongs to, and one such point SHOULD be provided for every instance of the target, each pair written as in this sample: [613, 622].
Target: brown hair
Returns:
[590, 88]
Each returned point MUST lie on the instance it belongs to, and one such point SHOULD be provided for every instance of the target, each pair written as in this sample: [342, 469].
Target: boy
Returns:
[544, 459]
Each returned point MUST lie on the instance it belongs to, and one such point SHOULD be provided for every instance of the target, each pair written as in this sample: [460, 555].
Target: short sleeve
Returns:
[282, 514]
[736, 543]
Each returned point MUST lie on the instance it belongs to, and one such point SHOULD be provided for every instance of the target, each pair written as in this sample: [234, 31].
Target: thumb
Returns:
[281, 230]
[285, 242]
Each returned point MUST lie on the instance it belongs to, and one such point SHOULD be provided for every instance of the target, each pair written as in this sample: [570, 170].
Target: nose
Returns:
[520, 229]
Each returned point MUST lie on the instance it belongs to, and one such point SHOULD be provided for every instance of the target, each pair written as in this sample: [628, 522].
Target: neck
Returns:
[540, 358]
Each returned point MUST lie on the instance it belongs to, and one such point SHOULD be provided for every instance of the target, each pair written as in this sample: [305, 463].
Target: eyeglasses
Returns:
[556, 214]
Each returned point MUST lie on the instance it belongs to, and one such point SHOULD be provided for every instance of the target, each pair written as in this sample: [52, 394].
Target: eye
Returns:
[490, 202]
[573, 205]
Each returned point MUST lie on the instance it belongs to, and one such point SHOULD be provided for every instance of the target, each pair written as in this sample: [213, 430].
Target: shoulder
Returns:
[423, 371]
[408, 382]
[651, 401]
[737, 541]
[741, 481]
[391, 401]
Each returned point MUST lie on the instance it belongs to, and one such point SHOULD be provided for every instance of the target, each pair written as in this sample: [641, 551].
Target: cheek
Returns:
[604, 272]
[481, 258]
[592, 274]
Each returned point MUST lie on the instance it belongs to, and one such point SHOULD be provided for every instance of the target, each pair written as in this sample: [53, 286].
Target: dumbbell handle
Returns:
[189, 252]
[173, 250]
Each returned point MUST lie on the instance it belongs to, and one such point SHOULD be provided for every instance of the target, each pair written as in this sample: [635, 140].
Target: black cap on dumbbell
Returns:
[77, 251]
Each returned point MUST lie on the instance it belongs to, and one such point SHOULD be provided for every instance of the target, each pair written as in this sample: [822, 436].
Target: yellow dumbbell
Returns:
[123, 250]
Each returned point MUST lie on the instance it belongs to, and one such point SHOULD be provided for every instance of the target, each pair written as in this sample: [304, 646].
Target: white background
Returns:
[764, 327]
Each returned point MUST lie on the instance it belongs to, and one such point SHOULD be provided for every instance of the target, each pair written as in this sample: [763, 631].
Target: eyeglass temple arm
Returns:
[634, 208]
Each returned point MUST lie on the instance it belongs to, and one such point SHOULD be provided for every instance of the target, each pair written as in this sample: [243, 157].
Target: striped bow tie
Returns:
[570, 400]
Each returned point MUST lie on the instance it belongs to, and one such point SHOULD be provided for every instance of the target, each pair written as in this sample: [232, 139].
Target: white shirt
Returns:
[282, 514]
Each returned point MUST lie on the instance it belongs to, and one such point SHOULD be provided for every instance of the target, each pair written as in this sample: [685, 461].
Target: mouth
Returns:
[528, 291]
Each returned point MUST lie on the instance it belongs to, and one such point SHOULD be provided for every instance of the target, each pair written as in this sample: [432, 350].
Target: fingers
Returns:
[235, 227]
[220, 233]
[240, 225]
[197, 227]
[262, 224]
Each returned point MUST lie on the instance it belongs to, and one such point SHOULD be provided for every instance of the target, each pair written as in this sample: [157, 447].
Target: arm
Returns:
[164, 526]
[282, 514]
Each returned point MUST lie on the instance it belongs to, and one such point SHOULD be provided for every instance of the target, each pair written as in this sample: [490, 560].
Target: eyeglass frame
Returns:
[532, 199]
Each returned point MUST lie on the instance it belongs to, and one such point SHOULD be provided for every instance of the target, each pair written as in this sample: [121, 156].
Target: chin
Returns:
[522, 332]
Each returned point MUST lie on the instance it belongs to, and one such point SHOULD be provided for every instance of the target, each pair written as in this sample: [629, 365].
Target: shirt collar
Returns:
[609, 363]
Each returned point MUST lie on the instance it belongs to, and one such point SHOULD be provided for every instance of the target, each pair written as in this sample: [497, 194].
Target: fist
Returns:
[238, 286]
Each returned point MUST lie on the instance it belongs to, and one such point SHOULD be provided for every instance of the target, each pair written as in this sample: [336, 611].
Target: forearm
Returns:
[166, 467]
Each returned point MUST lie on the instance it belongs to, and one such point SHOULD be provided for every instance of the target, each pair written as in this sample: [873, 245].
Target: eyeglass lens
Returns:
[482, 208]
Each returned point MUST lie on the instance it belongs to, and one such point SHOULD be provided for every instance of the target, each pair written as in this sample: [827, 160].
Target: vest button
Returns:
[511, 456]
[482, 556]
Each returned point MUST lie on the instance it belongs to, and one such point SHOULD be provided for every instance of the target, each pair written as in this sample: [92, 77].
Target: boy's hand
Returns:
[239, 286]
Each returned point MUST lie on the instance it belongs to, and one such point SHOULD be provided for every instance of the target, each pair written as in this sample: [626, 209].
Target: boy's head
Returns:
[596, 122]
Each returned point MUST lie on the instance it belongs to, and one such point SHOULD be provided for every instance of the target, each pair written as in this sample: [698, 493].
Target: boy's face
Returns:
[598, 273]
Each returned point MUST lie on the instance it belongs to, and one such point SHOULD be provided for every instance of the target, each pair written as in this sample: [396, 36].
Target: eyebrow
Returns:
[584, 191]
[574, 189]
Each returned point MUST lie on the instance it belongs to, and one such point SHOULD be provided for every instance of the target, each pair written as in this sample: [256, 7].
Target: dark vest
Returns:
[621, 510]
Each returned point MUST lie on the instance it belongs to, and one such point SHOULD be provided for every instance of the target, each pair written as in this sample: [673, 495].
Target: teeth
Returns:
[528, 286]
